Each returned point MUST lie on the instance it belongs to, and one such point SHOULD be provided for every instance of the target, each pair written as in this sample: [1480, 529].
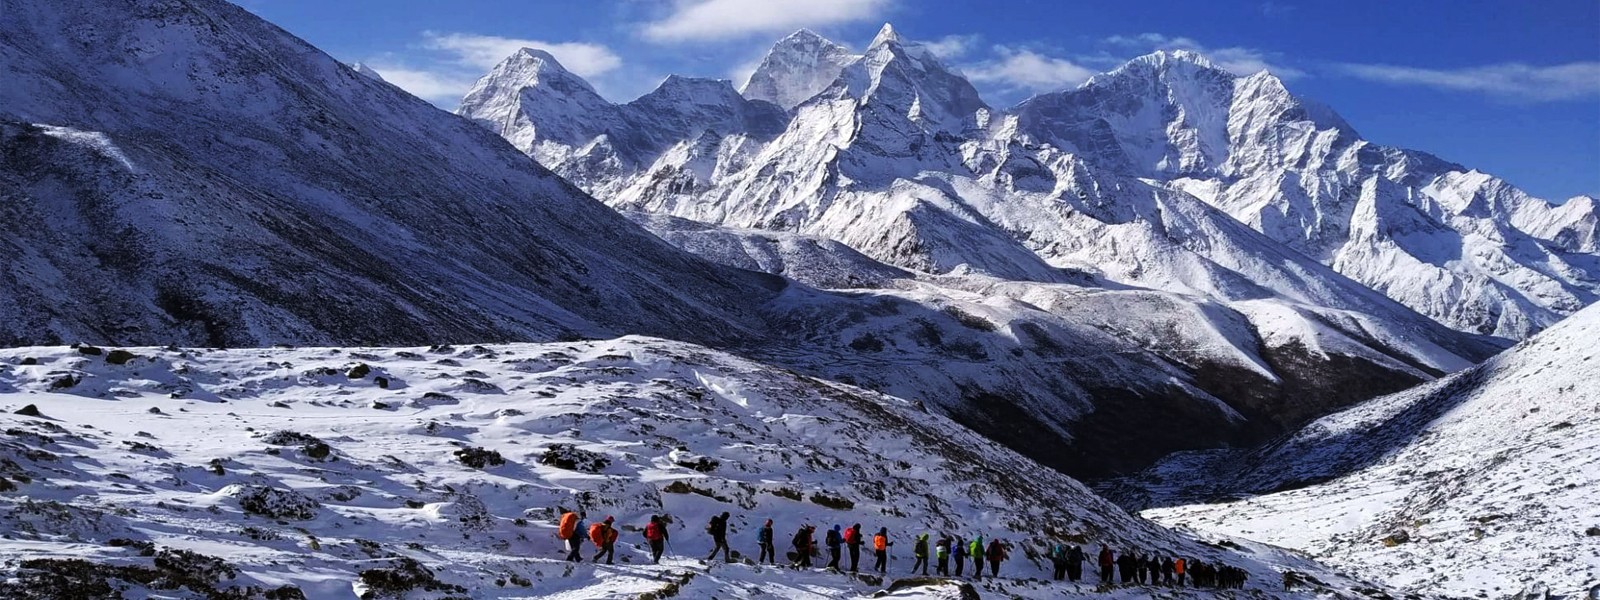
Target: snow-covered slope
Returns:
[186, 172]
[1476, 485]
[343, 471]
[898, 157]
[1462, 247]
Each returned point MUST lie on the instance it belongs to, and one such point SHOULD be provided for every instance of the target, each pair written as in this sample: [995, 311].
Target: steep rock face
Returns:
[1463, 248]
[1492, 467]
[245, 188]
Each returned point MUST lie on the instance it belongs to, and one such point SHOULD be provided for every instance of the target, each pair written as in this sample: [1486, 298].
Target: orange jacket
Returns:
[1178, 564]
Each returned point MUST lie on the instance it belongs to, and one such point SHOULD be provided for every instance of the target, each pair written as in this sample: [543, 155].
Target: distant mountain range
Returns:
[1140, 176]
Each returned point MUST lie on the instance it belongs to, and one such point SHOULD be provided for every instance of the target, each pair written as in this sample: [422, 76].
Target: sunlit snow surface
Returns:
[649, 407]
[1493, 474]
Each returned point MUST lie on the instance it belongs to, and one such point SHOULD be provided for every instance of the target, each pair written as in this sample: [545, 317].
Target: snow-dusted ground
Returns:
[1477, 485]
[169, 446]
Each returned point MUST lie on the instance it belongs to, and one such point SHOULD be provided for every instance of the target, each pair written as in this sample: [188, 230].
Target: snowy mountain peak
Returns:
[798, 67]
[886, 35]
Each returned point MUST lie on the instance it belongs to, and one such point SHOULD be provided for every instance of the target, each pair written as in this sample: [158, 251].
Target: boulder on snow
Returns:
[120, 357]
[273, 503]
[1592, 532]
[29, 411]
[964, 590]
[479, 458]
[573, 458]
[404, 576]
[1534, 591]
[1396, 538]
[358, 371]
[90, 350]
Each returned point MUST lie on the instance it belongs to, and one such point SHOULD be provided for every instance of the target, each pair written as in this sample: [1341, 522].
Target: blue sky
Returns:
[1511, 88]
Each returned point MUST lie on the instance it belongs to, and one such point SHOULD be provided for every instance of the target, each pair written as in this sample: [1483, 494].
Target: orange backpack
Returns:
[880, 542]
[569, 526]
[597, 534]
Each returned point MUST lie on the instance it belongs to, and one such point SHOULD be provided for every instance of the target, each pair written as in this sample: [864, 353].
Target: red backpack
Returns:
[852, 536]
[652, 531]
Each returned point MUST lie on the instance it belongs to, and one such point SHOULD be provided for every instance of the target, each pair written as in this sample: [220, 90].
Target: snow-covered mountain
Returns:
[1141, 174]
[334, 473]
[1480, 484]
[1462, 247]
[188, 173]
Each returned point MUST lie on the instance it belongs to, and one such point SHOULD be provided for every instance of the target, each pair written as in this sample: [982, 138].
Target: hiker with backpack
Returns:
[802, 543]
[880, 549]
[853, 541]
[919, 550]
[571, 524]
[1075, 560]
[959, 547]
[1179, 566]
[718, 528]
[997, 552]
[975, 550]
[1058, 561]
[941, 550]
[604, 537]
[1166, 570]
[656, 535]
[1126, 564]
[764, 539]
[833, 539]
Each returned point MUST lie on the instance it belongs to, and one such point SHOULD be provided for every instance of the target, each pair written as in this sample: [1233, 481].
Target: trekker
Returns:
[1106, 561]
[960, 548]
[604, 537]
[656, 534]
[1179, 566]
[880, 549]
[1058, 560]
[571, 525]
[833, 539]
[1139, 569]
[1166, 570]
[1126, 564]
[853, 541]
[997, 553]
[1075, 560]
[975, 550]
[941, 550]
[802, 547]
[920, 551]
[769, 554]
[718, 528]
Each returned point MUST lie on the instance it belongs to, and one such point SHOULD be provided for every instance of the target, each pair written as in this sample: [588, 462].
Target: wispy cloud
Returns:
[952, 47]
[1233, 59]
[730, 19]
[1514, 81]
[443, 88]
[483, 52]
[1023, 70]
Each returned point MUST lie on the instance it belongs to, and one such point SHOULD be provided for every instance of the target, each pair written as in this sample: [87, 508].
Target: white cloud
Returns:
[740, 73]
[727, 19]
[952, 47]
[440, 88]
[1234, 59]
[485, 51]
[1508, 80]
[1026, 70]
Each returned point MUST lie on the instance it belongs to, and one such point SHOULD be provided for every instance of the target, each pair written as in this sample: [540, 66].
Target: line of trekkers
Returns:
[844, 542]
